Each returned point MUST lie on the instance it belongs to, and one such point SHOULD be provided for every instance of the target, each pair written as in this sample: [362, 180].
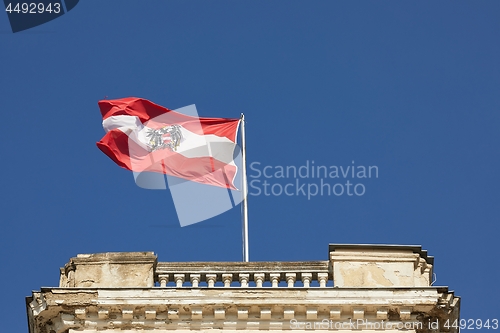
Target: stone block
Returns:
[380, 266]
[112, 269]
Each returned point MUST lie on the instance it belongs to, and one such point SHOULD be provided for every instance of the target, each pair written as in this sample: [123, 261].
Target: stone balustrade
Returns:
[243, 274]
[349, 266]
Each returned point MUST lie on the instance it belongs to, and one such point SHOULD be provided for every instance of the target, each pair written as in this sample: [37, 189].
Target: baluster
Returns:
[195, 280]
[244, 280]
[290, 279]
[179, 280]
[227, 279]
[306, 279]
[323, 279]
[163, 280]
[259, 279]
[275, 279]
[211, 279]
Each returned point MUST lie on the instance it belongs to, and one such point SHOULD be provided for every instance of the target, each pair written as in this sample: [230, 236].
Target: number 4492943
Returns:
[472, 324]
[33, 8]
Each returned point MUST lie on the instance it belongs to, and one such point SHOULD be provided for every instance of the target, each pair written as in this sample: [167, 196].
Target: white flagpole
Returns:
[244, 204]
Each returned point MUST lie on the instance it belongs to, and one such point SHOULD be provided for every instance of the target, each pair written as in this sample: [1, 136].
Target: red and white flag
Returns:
[145, 137]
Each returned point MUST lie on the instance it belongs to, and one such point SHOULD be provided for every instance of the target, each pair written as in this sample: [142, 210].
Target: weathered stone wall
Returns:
[113, 269]
[379, 266]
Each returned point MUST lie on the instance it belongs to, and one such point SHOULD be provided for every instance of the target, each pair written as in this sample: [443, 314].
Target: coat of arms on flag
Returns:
[166, 137]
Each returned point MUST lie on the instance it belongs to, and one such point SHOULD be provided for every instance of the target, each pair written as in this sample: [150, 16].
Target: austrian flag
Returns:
[145, 137]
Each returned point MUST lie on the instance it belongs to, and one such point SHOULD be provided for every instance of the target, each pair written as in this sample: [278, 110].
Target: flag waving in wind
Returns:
[145, 137]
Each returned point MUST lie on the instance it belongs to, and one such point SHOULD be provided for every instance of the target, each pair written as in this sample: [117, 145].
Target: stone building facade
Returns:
[369, 288]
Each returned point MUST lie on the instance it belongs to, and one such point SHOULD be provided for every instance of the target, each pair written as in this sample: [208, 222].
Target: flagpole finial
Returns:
[242, 117]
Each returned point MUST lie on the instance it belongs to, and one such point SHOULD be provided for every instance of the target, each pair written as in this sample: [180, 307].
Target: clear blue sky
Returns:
[409, 87]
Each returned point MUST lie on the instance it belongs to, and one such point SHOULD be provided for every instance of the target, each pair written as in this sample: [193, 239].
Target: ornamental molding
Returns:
[61, 309]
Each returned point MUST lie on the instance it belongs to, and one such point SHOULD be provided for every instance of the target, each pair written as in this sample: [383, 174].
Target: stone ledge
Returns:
[113, 258]
[180, 309]
[384, 247]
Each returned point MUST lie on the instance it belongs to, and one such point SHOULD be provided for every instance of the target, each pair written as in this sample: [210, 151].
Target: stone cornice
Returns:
[233, 308]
